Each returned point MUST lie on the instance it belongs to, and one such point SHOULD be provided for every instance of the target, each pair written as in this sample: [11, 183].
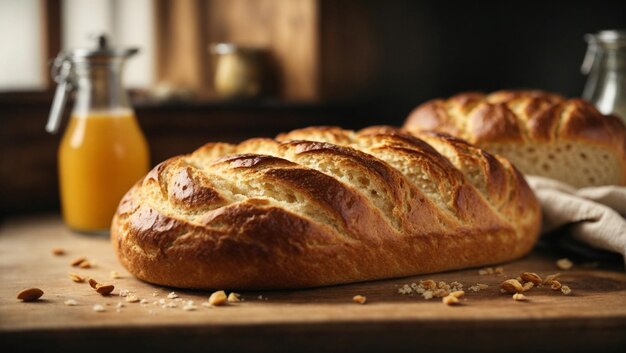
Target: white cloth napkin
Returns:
[594, 215]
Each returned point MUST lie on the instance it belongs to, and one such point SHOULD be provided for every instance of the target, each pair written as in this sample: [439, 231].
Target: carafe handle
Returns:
[590, 55]
[60, 71]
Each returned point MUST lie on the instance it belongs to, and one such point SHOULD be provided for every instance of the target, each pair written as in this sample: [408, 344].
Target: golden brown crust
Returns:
[523, 118]
[322, 206]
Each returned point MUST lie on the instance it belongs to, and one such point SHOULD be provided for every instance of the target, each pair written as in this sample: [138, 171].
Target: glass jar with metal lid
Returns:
[605, 63]
[103, 151]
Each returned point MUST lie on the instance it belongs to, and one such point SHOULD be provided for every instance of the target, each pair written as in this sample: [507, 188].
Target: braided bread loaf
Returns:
[322, 206]
[541, 133]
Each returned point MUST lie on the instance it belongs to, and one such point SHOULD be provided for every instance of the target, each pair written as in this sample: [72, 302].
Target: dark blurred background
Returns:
[347, 63]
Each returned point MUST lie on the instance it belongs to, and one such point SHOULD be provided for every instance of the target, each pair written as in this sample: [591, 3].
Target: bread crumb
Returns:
[119, 305]
[131, 298]
[519, 297]
[189, 306]
[566, 290]
[564, 264]
[170, 305]
[70, 302]
[172, 295]
[218, 298]
[114, 275]
[556, 285]
[428, 294]
[155, 294]
[359, 299]
[406, 289]
[143, 301]
[124, 292]
[98, 308]
[499, 270]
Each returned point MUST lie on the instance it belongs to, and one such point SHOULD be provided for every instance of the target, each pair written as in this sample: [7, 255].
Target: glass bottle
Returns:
[605, 63]
[103, 151]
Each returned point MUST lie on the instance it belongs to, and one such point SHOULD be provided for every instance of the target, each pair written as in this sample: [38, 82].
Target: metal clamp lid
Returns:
[62, 72]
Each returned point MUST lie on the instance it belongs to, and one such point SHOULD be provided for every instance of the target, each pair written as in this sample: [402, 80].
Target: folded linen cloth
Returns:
[593, 215]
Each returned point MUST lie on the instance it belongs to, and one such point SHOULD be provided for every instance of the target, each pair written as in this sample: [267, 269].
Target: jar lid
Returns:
[615, 37]
[101, 51]
[230, 48]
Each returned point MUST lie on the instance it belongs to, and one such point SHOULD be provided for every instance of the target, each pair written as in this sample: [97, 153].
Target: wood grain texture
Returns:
[319, 319]
[181, 46]
[287, 29]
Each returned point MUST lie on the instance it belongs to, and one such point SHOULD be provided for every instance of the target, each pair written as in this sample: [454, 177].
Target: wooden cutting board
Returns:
[593, 317]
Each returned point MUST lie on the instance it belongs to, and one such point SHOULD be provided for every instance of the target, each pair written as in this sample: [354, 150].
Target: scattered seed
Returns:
[512, 286]
[29, 294]
[98, 308]
[172, 295]
[76, 278]
[93, 283]
[359, 299]
[531, 277]
[550, 278]
[429, 283]
[233, 297]
[85, 264]
[458, 294]
[105, 289]
[450, 300]
[114, 275]
[528, 286]
[556, 285]
[78, 261]
[58, 251]
[218, 298]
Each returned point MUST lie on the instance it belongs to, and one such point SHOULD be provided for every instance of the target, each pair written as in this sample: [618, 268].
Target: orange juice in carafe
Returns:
[103, 151]
[101, 155]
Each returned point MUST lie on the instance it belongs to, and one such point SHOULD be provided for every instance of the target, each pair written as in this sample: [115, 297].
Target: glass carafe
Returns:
[605, 63]
[103, 151]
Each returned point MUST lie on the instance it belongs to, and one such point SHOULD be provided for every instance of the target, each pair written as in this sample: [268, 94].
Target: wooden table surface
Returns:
[592, 318]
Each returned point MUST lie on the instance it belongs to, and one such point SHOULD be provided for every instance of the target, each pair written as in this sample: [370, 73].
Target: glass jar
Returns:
[103, 151]
[605, 63]
[239, 72]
